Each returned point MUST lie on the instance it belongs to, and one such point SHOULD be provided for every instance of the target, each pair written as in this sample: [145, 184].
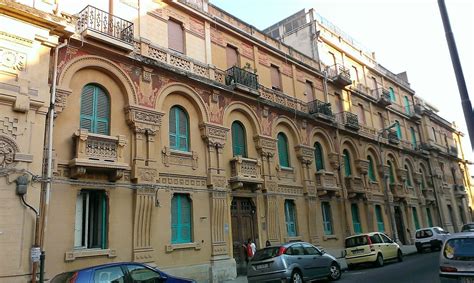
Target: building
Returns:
[181, 132]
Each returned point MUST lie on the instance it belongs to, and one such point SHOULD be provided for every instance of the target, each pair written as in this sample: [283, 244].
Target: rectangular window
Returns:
[415, 218]
[90, 231]
[379, 216]
[231, 56]
[407, 105]
[354, 74]
[309, 91]
[290, 217]
[362, 114]
[356, 219]
[181, 219]
[430, 219]
[175, 36]
[327, 218]
[413, 137]
[276, 77]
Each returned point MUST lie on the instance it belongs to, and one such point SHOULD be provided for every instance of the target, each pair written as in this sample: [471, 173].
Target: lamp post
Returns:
[385, 180]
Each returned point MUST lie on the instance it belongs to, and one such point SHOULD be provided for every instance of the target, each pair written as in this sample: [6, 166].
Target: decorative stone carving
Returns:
[13, 60]
[180, 158]
[417, 177]
[362, 166]
[402, 174]
[146, 174]
[61, 99]
[384, 170]
[143, 120]
[266, 146]
[8, 149]
[144, 204]
[305, 153]
[334, 160]
[182, 180]
[214, 135]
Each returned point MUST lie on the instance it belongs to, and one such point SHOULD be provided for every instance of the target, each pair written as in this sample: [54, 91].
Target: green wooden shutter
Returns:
[239, 146]
[379, 216]
[318, 156]
[327, 218]
[95, 110]
[407, 105]
[179, 129]
[283, 150]
[172, 128]
[87, 108]
[428, 214]
[290, 217]
[347, 163]
[175, 227]
[408, 181]
[180, 219]
[371, 169]
[413, 137]
[392, 94]
[356, 219]
[415, 218]
[391, 173]
[399, 130]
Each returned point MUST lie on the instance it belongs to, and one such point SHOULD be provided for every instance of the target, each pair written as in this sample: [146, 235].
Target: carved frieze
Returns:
[180, 158]
[143, 120]
[362, 166]
[182, 180]
[9, 126]
[265, 145]
[214, 135]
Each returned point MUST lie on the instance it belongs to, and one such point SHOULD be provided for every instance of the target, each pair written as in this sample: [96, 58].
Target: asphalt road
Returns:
[418, 268]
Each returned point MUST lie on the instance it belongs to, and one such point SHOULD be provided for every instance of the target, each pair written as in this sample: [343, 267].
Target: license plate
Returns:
[467, 279]
[262, 266]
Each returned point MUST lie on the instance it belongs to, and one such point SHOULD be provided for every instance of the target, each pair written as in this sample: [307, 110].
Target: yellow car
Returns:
[373, 248]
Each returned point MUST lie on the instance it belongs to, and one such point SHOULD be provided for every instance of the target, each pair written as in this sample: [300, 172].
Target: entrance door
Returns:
[243, 228]
[400, 226]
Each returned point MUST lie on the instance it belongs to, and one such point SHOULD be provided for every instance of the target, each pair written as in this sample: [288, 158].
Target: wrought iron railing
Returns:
[392, 136]
[241, 76]
[348, 119]
[320, 107]
[381, 94]
[91, 18]
[339, 71]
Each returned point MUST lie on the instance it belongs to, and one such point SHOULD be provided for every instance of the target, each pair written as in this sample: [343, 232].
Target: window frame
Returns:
[347, 163]
[413, 137]
[175, 111]
[327, 218]
[275, 76]
[183, 35]
[371, 169]
[283, 150]
[391, 91]
[94, 118]
[416, 220]
[235, 143]
[379, 218]
[356, 224]
[319, 156]
[406, 100]
[291, 218]
[179, 225]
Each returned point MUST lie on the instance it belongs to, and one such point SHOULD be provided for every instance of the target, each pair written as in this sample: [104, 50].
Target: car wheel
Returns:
[399, 256]
[296, 277]
[419, 250]
[379, 260]
[335, 272]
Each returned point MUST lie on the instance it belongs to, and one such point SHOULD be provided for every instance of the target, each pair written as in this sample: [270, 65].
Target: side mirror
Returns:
[322, 251]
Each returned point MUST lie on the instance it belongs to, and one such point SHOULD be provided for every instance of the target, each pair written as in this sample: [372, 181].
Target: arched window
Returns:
[181, 219]
[392, 94]
[356, 219]
[423, 184]
[239, 144]
[95, 110]
[415, 218]
[408, 180]
[407, 105]
[318, 156]
[371, 169]
[391, 172]
[413, 137]
[179, 129]
[398, 129]
[347, 163]
[283, 150]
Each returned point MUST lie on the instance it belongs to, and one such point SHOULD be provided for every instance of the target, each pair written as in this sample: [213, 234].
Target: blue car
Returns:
[119, 272]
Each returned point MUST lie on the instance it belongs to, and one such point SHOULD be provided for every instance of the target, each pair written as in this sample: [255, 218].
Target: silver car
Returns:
[292, 262]
[456, 262]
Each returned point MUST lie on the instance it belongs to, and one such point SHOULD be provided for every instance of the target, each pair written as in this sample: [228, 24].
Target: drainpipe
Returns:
[437, 198]
[49, 160]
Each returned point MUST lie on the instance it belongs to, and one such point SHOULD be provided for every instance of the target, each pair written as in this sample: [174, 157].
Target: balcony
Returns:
[460, 191]
[383, 96]
[99, 25]
[453, 151]
[398, 192]
[326, 184]
[360, 88]
[416, 114]
[245, 172]
[349, 120]
[354, 187]
[242, 79]
[392, 137]
[340, 75]
[321, 109]
[94, 152]
[428, 193]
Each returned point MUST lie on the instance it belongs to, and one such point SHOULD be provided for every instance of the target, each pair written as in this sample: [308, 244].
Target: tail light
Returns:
[369, 241]
[73, 278]
[448, 269]
[281, 251]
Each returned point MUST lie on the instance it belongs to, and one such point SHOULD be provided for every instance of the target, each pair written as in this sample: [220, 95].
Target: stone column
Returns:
[266, 147]
[305, 155]
[215, 137]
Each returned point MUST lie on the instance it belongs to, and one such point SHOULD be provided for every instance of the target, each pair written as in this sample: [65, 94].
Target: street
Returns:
[418, 268]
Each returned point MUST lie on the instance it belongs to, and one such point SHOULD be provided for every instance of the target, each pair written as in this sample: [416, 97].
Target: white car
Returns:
[432, 238]
[456, 260]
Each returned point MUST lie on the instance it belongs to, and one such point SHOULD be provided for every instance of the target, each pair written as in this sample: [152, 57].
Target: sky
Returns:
[406, 35]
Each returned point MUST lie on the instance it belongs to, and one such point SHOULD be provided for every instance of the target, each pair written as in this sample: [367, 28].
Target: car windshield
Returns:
[356, 241]
[266, 253]
[459, 249]
[468, 228]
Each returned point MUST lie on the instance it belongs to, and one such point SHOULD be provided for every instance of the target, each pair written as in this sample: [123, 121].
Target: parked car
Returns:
[469, 227]
[372, 247]
[292, 262]
[120, 272]
[456, 261]
[432, 238]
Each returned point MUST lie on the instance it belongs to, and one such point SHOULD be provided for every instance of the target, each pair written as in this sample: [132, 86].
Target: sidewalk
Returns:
[406, 249]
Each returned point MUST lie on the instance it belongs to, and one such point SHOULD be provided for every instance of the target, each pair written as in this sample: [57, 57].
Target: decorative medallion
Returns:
[7, 152]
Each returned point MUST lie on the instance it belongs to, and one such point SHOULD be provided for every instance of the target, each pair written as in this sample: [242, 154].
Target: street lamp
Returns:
[385, 180]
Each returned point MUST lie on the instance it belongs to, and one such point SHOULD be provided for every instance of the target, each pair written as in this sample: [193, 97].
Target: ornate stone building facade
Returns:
[182, 131]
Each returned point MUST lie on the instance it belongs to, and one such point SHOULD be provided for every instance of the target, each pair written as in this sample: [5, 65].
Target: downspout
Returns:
[49, 141]
[437, 198]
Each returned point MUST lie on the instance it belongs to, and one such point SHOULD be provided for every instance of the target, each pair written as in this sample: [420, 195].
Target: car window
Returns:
[356, 241]
[467, 228]
[295, 250]
[375, 239]
[141, 274]
[423, 234]
[459, 249]
[266, 253]
[439, 230]
[386, 239]
[112, 274]
[310, 250]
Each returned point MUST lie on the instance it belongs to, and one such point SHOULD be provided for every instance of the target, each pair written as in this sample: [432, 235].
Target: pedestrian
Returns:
[267, 243]
[251, 249]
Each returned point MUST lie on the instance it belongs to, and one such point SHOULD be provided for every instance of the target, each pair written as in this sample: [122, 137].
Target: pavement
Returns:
[406, 249]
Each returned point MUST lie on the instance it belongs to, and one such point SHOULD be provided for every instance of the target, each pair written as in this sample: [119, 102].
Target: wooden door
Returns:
[243, 228]
[400, 226]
